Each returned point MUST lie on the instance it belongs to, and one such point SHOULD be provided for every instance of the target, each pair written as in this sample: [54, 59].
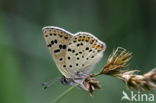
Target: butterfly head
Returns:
[66, 81]
[83, 81]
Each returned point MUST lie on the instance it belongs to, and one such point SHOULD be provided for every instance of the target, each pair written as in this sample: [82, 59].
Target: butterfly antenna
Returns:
[47, 84]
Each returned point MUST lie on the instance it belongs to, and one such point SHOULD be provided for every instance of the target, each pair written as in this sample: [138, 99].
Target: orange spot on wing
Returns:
[94, 45]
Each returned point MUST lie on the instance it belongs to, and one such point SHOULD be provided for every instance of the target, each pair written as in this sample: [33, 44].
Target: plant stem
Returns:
[95, 74]
[56, 100]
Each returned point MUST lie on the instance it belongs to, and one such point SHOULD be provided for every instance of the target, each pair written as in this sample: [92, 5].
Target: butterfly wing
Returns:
[83, 52]
[57, 40]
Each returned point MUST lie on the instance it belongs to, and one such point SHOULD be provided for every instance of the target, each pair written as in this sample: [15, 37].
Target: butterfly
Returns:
[75, 55]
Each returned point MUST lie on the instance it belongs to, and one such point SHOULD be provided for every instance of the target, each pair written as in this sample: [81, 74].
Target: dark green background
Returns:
[25, 61]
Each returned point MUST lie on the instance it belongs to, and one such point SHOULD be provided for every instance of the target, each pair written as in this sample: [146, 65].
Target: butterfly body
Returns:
[74, 54]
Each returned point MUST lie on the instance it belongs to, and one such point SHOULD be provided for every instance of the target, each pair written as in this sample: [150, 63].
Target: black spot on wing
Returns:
[70, 66]
[73, 51]
[90, 50]
[69, 58]
[49, 45]
[65, 37]
[77, 64]
[60, 46]
[80, 52]
[55, 41]
[69, 50]
[50, 34]
[64, 66]
[52, 42]
[78, 45]
[64, 46]
[57, 50]
[61, 59]
[87, 48]
[61, 36]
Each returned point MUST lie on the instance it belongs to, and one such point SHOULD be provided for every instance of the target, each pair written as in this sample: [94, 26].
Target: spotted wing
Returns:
[57, 40]
[83, 52]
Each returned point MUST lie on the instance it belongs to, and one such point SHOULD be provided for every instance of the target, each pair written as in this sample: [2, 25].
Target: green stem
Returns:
[56, 100]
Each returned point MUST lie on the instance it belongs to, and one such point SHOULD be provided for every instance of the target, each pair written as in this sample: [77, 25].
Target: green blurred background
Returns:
[25, 61]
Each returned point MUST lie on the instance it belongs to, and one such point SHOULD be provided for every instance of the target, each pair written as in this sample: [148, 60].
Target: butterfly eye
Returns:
[66, 81]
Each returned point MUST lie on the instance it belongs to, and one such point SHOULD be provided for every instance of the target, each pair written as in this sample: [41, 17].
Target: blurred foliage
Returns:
[25, 61]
